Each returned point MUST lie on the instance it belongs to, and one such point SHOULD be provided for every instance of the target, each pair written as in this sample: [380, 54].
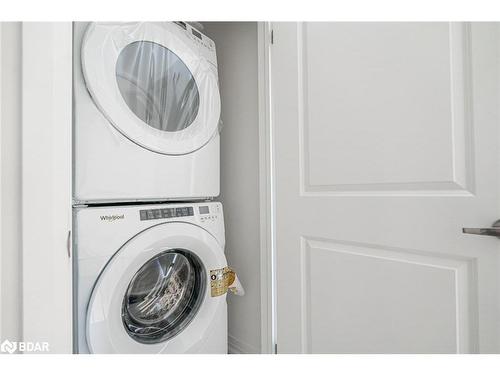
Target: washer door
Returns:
[154, 294]
[152, 84]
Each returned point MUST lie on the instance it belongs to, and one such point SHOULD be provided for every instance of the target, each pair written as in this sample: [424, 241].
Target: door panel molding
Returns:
[458, 179]
[462, 270]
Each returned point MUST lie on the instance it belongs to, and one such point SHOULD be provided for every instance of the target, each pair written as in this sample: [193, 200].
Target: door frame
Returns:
[267, 193]
[46, 184]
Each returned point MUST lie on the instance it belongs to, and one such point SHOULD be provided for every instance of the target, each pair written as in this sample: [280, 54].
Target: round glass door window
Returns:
[164, 296]
[157, 86]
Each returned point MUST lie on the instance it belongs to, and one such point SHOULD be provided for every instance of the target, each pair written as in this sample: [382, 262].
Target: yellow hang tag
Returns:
[220, 281]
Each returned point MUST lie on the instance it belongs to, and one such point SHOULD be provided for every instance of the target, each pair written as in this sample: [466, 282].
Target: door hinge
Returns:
[68, 244]
[272, 36]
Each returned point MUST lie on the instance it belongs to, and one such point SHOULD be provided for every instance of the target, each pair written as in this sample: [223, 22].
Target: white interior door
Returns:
[386, 141]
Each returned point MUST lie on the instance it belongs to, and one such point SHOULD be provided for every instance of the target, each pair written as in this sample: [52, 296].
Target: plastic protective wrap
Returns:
[156, 83]
[157, 86]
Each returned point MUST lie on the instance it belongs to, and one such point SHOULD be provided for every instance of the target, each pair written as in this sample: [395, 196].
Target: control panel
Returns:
[166, 213]
[208, 213]
[203, 213]
[196, 36]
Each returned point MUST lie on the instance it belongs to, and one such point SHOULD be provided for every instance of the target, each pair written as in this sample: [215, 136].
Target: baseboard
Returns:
[236, 346]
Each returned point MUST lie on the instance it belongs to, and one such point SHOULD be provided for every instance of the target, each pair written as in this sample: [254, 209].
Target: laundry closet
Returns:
[149, 232]
[60, 182]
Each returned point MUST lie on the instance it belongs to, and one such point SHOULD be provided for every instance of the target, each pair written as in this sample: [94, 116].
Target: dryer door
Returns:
[154, 294]
[153, 84]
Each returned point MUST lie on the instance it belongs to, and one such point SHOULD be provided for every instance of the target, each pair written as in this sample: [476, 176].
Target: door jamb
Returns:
[266, 186]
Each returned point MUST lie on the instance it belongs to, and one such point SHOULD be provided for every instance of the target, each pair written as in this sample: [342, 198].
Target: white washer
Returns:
[146, 112]
[143, 279]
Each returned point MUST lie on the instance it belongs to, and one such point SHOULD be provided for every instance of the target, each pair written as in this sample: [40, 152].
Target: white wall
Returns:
[237, 51]
[10, 251]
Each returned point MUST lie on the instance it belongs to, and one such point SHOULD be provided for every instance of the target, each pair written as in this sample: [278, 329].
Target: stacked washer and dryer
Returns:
[149, 264]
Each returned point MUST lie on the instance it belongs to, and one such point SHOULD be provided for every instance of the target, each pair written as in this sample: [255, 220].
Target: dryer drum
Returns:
[164, 296]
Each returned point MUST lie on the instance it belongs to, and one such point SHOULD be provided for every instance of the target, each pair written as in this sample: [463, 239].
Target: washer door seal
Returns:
[164, 296]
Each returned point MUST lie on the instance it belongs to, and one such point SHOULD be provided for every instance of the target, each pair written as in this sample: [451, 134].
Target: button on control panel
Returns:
[206, 215]
[166, 213]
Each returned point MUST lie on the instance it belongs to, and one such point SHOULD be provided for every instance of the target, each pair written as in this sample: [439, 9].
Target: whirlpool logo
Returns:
[10, 347]
[112, 217]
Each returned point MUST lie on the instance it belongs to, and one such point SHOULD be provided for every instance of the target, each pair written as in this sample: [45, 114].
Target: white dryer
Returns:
[144, 279]
[146, 112]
